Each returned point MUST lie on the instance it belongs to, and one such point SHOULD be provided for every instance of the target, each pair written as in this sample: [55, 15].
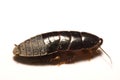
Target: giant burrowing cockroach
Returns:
[61, 46]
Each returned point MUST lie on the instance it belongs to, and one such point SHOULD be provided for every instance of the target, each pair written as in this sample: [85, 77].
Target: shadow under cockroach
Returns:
[58, 58]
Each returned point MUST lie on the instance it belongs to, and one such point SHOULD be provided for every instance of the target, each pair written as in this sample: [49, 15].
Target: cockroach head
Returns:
[16, 50]
[90, 40]
[100, 41]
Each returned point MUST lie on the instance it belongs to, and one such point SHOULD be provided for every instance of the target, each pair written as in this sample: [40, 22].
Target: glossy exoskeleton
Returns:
[62, 46]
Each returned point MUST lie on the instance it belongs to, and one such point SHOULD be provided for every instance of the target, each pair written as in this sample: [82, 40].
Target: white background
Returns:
[22, 19]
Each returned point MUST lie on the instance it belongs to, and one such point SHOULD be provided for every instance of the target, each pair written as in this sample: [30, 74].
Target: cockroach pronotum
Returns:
[60, 46]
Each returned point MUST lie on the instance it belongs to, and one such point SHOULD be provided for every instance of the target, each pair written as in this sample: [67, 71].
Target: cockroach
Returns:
[60, 46]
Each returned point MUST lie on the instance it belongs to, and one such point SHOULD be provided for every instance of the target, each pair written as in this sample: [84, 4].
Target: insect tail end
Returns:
[16, 50]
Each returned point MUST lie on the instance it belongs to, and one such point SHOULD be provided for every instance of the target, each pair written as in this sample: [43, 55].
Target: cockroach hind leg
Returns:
[55, 59]
[61, 63]
[102, 51]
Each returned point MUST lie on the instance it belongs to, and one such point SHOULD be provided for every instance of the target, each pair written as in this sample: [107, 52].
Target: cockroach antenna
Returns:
[105, 54]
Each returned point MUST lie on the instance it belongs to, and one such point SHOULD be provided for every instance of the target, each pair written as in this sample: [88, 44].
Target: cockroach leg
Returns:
[61, 62]
[56, 58]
